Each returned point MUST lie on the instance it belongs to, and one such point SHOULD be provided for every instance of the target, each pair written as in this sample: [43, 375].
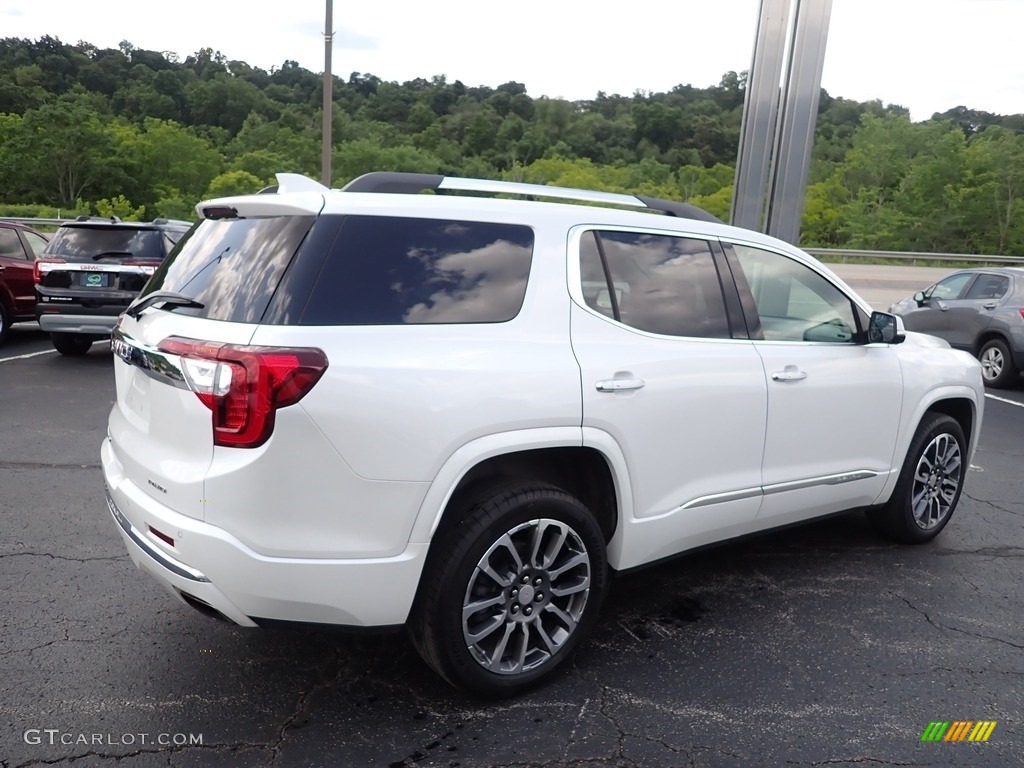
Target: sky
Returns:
[926, 55]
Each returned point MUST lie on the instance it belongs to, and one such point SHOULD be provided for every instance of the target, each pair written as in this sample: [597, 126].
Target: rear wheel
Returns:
[71, 344]
[510, 590]
[929, 485]
[997, 364]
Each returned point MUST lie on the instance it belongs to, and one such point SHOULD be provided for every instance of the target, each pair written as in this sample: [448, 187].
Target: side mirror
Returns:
[920, 298]
[884, 328]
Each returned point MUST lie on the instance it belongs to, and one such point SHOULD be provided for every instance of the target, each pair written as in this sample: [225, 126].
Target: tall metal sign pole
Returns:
[328, 96]
[777, 134]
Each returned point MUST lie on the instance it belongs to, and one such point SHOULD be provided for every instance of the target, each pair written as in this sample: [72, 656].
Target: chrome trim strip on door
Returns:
[172, 565]
[147, 359]
[793, 485]
[811, 482]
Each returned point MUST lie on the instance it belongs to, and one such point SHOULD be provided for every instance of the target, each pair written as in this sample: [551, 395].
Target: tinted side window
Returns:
[10, 244]
[988, 287]
[232, 266]
[662, 284]
[385, 270]
[795, 303]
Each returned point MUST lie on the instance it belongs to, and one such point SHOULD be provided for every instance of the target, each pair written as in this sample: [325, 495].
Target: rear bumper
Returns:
[94, 325]
[205, 564]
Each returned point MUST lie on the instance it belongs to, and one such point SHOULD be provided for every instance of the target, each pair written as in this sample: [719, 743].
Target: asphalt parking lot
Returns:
[822, 645]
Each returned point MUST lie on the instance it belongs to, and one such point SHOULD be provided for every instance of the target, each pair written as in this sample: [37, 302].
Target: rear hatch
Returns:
[203, 301]
[100, 264]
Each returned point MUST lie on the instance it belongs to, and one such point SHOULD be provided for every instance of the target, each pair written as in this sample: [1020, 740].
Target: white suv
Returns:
[462, 413]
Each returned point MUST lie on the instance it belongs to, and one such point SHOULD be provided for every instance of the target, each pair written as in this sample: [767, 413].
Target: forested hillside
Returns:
[141, 134]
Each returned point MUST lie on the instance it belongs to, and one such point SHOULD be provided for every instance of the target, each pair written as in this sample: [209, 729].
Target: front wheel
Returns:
[71, 344]
[929, 484]
[510, 590]
[997, 364]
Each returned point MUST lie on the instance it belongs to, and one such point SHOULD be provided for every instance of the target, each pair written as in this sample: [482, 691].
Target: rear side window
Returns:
[385, 270]
[988, 287]
[231, 266]
[661, 283]
[97, 242]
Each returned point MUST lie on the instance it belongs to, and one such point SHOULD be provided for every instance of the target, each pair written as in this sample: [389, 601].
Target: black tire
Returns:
[71, 344]
[5, 322]
[525, 632]
[997, 368]
[929, 484]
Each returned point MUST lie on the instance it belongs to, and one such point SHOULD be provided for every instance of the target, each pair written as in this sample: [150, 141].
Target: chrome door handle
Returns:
[792, 373]
[991, 305]
[619, 385]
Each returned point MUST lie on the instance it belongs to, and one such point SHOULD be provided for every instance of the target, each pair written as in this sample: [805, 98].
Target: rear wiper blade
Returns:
[111, 254]
[163, 297]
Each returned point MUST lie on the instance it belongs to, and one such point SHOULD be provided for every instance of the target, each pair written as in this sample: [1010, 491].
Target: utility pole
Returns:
[328, 96]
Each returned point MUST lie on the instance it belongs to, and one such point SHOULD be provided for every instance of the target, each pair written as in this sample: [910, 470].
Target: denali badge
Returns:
[158, 487]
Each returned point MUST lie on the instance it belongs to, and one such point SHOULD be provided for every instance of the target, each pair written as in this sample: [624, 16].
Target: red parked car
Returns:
[19, 246]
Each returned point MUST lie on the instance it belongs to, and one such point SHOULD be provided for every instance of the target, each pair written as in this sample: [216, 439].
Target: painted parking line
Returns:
[994, 397]
[30, 354]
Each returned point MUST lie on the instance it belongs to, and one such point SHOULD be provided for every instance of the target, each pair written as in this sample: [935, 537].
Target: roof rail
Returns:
[413, 183]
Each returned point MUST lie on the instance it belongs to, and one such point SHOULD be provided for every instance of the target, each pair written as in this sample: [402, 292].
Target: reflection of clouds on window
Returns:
[672, 281]
[482, 285]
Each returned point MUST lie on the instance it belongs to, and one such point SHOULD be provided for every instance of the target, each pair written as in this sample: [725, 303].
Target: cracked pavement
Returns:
[817, 646]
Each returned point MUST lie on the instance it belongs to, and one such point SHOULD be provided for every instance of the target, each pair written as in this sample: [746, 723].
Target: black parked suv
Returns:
[91, 271]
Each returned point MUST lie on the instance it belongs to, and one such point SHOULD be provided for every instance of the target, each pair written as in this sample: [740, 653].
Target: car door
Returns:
[930, 315]
[16, 272]
[969, 315]
[834, 402]
[665, 377]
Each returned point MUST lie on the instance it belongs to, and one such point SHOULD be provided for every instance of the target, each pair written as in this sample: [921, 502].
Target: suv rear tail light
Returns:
[39, 268]
[244, 386]
[147, 267]
[1021, 310]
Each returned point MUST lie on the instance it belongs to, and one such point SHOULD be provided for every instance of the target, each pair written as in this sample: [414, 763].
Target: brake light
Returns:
[243, 386]
[41, 266]
[1021, 310]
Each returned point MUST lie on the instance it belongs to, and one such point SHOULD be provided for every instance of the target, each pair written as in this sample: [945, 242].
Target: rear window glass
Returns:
[385, 270]
[231, 266]
[93, 242]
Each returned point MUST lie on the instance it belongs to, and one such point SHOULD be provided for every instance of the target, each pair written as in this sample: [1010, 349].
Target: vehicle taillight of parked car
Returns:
[243, 386]
[41, 266]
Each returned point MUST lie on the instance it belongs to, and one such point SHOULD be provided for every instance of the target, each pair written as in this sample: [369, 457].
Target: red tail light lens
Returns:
[244, 386]
[1021, 310]
[39, 268]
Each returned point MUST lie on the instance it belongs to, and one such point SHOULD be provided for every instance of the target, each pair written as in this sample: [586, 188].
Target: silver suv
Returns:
[978, 310]
[461, 414]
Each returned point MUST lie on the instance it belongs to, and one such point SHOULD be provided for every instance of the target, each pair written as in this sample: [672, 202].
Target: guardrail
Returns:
[839, 254]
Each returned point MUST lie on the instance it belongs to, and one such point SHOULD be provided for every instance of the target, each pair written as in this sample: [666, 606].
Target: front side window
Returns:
[657, 283]
[795, 303]
[950, 287]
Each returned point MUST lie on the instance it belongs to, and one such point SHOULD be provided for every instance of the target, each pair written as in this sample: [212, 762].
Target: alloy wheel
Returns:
[526, 596]
[936, 481]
